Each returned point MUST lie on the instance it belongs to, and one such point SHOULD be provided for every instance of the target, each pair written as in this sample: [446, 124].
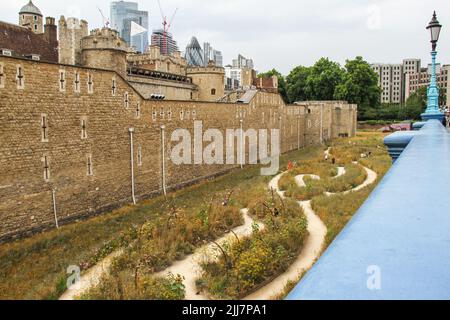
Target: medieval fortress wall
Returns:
[66, 145]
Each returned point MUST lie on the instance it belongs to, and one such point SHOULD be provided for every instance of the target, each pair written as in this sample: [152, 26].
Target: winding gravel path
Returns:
[310, 251]
[91, 278]
[313, 245]
[190, 269]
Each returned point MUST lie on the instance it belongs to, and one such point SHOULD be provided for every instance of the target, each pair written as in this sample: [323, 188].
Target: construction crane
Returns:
[105, 20]
[166, 27]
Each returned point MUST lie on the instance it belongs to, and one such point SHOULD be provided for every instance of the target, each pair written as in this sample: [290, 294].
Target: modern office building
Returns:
[123, 15]
[392, 79]
[194, 53]
[242, 62]
[167, 48]
[218, 58]
[210, 54]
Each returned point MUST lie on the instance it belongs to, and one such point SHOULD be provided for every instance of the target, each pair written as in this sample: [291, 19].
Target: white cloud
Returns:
[374, 18]
[284, 33]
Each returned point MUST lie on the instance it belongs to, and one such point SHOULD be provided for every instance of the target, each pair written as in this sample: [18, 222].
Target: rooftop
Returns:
[30, 8]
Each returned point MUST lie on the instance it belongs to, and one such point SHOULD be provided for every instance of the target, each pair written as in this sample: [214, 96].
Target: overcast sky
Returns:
[282, 34]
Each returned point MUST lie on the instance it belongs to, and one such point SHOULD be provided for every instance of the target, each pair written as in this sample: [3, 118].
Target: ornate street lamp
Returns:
[432, 111]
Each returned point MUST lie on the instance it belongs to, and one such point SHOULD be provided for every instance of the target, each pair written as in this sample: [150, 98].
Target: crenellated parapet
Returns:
[105, 49]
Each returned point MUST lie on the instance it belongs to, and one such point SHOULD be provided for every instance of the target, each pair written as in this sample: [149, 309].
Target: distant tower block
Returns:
[104, 49]
[210, 80]
[31, 17]
[70, 32]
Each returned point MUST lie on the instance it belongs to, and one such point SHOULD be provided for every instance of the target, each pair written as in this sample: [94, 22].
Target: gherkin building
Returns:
[194, 53]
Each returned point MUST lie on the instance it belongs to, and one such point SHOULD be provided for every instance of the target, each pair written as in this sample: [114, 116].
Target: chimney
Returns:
[155, 52]
[50, 30]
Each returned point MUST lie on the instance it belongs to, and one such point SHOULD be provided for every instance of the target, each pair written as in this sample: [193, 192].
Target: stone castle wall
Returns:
[65, 144]
[70, 33]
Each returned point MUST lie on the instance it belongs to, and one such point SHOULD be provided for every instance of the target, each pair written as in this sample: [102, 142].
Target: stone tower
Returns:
[104, 49]
[31, 17]
[210, 81]
[70, 32]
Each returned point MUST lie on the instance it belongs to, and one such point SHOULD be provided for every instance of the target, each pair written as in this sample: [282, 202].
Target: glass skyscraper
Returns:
[194, 53]
[123, 13]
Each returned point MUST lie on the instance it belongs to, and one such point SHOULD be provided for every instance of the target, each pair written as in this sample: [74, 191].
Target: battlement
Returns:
[104, 38]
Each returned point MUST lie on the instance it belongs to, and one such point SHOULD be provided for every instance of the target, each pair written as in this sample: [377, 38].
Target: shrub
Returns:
[248, 263]
[117, 287]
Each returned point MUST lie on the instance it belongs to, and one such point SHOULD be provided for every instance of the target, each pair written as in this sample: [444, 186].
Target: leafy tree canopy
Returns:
[359, 85]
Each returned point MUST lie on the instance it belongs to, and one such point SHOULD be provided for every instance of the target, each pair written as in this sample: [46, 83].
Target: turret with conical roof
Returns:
[31, 17]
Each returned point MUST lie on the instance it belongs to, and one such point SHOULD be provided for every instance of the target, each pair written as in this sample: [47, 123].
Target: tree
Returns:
[359, 85]
[323, 79]
[281, 81]
[415, 105]
[296, 84]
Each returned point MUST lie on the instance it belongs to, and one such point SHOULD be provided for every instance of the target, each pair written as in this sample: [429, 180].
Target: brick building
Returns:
[31, 38]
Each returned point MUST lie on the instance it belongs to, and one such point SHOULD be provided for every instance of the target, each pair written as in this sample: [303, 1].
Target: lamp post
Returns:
[432, 111]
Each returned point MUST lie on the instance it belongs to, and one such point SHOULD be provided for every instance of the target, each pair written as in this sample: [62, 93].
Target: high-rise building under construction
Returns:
[158, 40]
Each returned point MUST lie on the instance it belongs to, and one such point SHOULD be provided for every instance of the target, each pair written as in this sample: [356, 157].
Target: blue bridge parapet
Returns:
[397, 246]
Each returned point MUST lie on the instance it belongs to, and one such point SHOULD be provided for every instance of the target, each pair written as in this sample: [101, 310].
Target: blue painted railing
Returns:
[397, 246]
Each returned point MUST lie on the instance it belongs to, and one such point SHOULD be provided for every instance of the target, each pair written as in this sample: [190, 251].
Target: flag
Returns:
[136, 29]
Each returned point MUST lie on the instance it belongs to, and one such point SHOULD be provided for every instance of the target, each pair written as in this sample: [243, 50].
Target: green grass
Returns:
[35, 268]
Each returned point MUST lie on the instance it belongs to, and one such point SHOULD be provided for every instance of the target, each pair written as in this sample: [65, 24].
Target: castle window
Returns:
[113, 87]
[44, 128]
[89, 165]
[126, 100]
[138, 110]
[45, 160]
[35, 18]
[35, 27]
[76, 82]
[162, 113]
[2, 82]
[154, 115]
[169, 114]
[90, 84]
[83, 128]
[194, 114]
[62, 80]
[213, 92]
[20, 78]
[182, 114]
[139, 156]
